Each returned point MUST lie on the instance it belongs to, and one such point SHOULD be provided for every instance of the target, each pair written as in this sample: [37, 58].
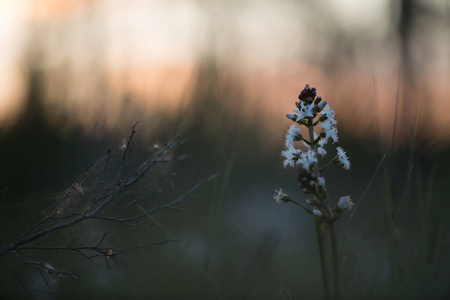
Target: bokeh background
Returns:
[77, 74]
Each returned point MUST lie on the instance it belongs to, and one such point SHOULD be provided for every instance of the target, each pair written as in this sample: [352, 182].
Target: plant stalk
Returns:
[326, 285]
[334, 246]
[335, 257]
[320, 236]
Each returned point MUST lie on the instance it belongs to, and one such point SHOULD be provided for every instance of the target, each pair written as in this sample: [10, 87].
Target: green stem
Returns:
[320, 237]
[313, 146]
[302, 206]
[326, 285]
[328, 164]
[335, 257]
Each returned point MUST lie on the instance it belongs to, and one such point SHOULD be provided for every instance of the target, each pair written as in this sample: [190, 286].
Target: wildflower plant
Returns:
[312, 113]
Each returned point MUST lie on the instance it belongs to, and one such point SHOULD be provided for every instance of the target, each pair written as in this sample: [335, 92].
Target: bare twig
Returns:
[93, 197]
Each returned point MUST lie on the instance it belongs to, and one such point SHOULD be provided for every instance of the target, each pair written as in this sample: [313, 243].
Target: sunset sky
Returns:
[152, 52]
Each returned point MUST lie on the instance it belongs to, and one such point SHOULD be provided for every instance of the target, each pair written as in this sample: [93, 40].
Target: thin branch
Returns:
[66, 214]
[183, 198]
[127, 149]
[11, 203]
[44, 266]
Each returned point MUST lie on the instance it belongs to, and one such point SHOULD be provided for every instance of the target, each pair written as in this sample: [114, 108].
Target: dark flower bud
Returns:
[307, 94]
[307, 181]
[318, 99]
[303, 95]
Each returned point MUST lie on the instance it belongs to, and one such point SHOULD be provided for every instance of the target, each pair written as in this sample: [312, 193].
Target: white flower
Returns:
[291, 134]
[317, 212]
[322, 142]
[291, 154]
[343, 159]
[328, 123]
[332, 133]
[345, 203]
[321, 182]
[278, 196]
[299, 114]
[330, 130]
[321, 151]
[308, 110]
[304, 111]
[329, 113]
[307, 159]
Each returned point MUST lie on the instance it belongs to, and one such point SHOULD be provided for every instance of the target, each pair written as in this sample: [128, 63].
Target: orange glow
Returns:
[51, 10]
[106, 63]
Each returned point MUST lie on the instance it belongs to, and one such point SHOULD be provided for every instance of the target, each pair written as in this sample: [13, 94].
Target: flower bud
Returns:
[308, 94]
[291, 117]
[321, 182]
[322, 105]
[317, 212]
[318, 99]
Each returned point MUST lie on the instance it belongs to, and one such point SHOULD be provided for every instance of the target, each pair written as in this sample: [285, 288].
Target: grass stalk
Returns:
[205, 274]
[358, 204]
[391, 233]
[357, 260]
[284, 286]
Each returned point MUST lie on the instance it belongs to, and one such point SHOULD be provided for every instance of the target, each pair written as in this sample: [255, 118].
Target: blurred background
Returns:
[77, 74]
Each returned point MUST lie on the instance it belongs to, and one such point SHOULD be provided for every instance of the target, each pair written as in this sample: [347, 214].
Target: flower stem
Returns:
[328, 164]
[326, 285]
[335, 256]
[302, 206]
[313, 146]
[320, 237]
[334, 246]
